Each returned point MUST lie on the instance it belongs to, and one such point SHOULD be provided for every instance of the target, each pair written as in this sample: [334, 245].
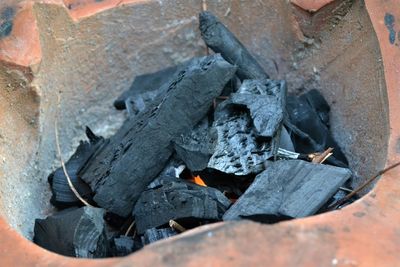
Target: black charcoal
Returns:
[152, 235]
[143, 145]
[285, 142]
[178, 200]
[236, 150]
[170, 173]
[63, 196]
[319, 104]
[125, 245]
[265, 99]
[145, 88]
[309, 113]
[221, 40]
[196, 147]
[73, 232]
[231, 87]
[289, 188]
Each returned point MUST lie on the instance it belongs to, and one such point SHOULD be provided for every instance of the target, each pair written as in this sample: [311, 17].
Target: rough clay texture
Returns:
[92, 51]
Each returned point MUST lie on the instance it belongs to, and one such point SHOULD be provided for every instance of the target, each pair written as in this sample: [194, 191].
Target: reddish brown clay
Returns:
[366, 233]
[311, 5]
[22, 47]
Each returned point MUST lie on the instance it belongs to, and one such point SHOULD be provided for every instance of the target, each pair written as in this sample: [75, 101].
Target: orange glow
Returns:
[198, 180]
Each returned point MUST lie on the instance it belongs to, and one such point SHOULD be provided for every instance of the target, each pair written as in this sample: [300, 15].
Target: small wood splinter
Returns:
[321, 157]
[130, 228]
[176, 226]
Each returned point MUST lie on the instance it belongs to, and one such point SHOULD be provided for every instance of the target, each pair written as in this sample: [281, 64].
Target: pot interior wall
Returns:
[89, 62]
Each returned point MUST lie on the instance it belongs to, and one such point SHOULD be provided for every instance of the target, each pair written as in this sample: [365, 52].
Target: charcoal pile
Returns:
[212, 139]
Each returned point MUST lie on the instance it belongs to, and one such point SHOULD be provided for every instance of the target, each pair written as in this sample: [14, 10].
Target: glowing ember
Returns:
[197, 180]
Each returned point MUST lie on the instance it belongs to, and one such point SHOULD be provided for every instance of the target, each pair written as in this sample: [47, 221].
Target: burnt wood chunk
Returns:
[145, 88]
[265, 99]
[285, 142]
[142, 146]
[73, 232]
[170, 173]
[237, 151]
[63, 196]
[289, 188]
[178, 200]
[319, 104]
[196, 147]
[152, 235]
[309, 113]
[125, 245]
[218, 37]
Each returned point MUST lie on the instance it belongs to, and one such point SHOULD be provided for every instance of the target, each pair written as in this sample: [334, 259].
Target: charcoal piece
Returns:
[332, 201]
[178, 200]
[313, 120]
[111, 233]
[145, 88]
[221, 40]
[285, 142]
[266, 101]
[319, 104]
[231, 87]
[114, 220]
[196, 147]
[142, 146]
[306, 141]
[337, 197]
[125, 245]
[236, 150]
[291, 188]
[152, 235]
[170, 173]
[63, 196]
[73, 232]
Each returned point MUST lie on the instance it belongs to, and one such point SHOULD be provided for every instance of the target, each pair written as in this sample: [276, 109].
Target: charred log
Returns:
[196, 147]
[73, 232]
[178, 200]
[221, 40]
[309, 114]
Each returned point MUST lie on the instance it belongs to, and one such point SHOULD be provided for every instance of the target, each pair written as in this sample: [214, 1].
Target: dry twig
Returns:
[71, 185]
[176, 226]
[346, 189]
[320, 158]
[364, 185]
[130, 228]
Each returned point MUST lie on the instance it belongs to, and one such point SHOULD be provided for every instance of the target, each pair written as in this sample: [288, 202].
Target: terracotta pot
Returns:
[88, 51]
